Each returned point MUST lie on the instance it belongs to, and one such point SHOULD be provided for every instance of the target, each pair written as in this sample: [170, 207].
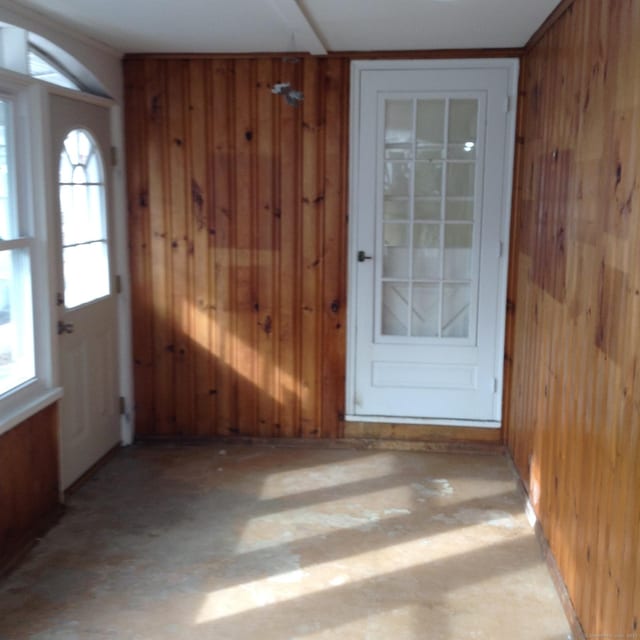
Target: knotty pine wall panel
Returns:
[574, 409]
[237, 209]
[28, 482]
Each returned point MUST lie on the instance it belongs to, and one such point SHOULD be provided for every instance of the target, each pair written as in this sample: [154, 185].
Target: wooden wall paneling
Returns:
[28, 483]
[136, 140]
[573, 415]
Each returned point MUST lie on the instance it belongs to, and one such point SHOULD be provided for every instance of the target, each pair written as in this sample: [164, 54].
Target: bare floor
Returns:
[256, 542]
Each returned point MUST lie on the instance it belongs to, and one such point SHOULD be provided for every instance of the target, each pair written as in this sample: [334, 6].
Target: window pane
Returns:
[8, 226]
[463, 121]
[425, 315]
[458, 242]
[86, 273]
[83, 218]
[459, 209]
[461, 179]
[398, 130]
[427, 209]
[79, 205]
[426, 251]
[430, 122]
[395, 308]
[395, 209]
[396, 179]
[395, 263]
[94, 170]
[455, 310]
[41, 68]
[428, 178]
[398, 121]
[16, 320]
[463, 129]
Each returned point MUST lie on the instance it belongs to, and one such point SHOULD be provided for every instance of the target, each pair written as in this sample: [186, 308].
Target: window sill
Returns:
[35, 403]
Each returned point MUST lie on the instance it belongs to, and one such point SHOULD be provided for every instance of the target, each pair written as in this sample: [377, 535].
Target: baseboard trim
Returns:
[577, 632]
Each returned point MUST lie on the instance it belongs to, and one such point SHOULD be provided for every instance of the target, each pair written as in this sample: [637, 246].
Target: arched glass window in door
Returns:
[83, 214]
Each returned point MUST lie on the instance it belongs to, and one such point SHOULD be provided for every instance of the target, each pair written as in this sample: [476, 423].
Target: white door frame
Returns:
[357, 67]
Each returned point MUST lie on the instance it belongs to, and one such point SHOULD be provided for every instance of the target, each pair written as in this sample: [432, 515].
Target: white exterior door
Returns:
[432, 157]
[87, 309]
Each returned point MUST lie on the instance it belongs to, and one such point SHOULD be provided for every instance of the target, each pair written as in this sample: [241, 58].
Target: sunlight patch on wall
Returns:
[236, 354]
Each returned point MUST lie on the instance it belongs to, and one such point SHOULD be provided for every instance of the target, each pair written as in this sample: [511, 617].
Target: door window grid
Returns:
[85, 253]
[448, 288]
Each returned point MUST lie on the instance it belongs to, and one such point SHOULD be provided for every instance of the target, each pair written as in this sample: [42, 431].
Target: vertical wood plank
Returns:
[334, 247]
[222, 182]
[244, 214]
[311, 239]
[181, 243]
[288, 217]
[201, 255]
[266, 367]
[160, 231]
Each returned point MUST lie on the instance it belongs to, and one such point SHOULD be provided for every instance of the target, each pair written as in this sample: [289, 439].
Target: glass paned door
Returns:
[87, 305]
[429, 229]
[431, 160]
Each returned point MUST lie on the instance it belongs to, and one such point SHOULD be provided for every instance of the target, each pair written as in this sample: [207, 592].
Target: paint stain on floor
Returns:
[261, 542]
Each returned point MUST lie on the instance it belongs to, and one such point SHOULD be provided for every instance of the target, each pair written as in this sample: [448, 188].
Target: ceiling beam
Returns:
[301, 28]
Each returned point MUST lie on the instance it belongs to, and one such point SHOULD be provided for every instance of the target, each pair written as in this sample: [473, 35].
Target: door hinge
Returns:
[495, 385]
[114, 156]
[122, 405]
[508, 104]
[118, 284]
[501, 249]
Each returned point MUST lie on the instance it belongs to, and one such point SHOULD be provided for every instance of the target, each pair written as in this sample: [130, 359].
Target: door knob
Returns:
[362, 256]
[64, 327]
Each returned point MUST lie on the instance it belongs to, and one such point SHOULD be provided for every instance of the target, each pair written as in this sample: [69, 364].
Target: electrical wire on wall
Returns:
[291, 96]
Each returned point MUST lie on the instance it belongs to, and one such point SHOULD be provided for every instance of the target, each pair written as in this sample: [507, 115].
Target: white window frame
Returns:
[30, 157]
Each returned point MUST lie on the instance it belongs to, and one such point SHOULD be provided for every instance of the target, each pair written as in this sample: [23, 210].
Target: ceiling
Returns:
[235, 26]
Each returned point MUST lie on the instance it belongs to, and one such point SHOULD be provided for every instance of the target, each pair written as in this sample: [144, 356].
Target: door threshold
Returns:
[436, 422]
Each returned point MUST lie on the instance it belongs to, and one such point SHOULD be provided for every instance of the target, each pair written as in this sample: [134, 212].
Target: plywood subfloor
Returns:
[255, 542]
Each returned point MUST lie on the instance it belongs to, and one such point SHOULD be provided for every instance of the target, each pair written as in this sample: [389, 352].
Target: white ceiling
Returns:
[234, 26]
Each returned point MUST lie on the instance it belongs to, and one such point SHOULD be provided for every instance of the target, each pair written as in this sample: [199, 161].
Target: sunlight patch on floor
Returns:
[304, 581]
[326, 476]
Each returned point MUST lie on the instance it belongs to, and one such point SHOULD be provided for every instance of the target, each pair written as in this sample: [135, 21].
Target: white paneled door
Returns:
[432, 157]
[87, 320]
